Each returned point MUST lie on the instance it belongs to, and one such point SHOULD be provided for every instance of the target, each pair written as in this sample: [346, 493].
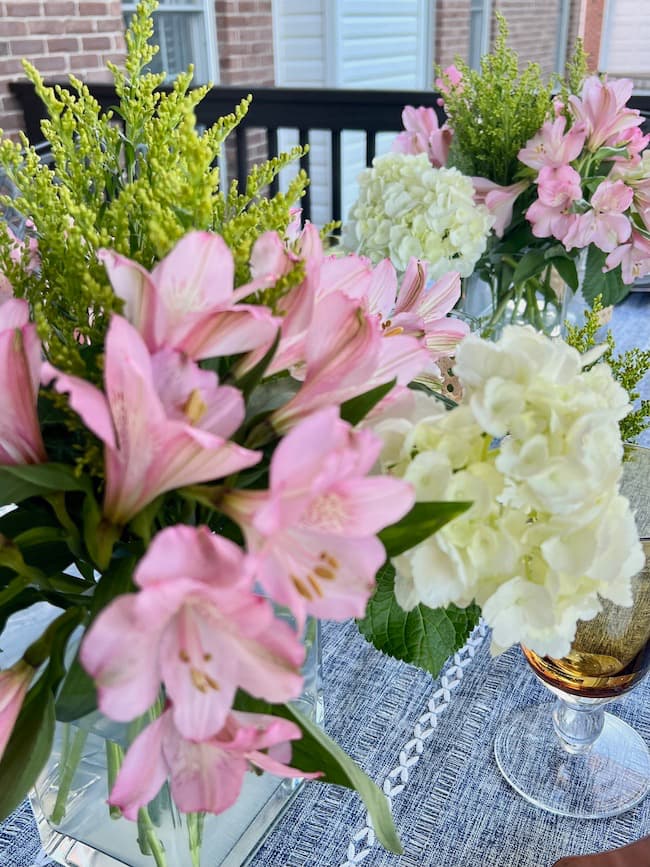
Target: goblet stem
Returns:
[578, 722]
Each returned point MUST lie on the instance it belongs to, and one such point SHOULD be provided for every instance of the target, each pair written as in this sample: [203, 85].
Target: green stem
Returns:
[57, 502]
[68, 766]
[114, 758]
[148, 839]
[195, 833]
[495, 318]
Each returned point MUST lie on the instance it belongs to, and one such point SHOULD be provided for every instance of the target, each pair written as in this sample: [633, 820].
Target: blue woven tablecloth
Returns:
[429, 743]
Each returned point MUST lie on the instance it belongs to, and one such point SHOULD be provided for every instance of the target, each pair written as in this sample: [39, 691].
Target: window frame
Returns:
[203, 27]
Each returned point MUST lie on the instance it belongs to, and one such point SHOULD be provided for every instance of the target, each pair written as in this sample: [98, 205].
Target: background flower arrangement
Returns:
[559, 176]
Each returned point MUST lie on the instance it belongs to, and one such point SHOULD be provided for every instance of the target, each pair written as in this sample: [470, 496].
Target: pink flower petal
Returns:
[382, 290]
[195, 553]
[21, 441]
[134, 285]
[240, 328]
[349, 274]
[14, 683]
[205, 778]
[86, 400]
[371, 504]
[143, 770]
[199, 668]
[119, 652]
[14, 313]
[196, 275]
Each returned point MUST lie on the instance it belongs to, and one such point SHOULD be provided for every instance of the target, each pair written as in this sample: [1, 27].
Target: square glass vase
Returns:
[75, 822]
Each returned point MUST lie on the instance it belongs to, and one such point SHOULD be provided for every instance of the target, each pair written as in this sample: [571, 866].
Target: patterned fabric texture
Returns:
[429, 744]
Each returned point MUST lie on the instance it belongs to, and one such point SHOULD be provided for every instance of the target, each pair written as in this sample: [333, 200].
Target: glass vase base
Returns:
[610, 778]
[231, 845]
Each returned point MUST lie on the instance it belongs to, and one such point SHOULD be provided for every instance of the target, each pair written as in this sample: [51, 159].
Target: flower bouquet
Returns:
[182, 468]
[565, 178]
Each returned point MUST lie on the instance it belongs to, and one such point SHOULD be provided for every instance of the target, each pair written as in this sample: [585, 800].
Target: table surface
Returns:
[429, 744]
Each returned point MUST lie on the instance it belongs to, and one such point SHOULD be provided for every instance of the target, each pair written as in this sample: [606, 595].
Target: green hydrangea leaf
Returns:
[425, 637]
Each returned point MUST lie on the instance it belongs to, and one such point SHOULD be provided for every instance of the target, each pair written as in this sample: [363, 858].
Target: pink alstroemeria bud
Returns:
[14, 683]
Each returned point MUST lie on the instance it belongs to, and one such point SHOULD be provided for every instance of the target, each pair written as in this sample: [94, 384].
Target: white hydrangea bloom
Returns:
[536, 448]
[408, 208]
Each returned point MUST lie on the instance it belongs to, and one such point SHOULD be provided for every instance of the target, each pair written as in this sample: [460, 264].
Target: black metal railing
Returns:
[275, 108]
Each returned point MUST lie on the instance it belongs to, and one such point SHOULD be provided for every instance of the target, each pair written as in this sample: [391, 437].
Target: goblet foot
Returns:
[612, 776]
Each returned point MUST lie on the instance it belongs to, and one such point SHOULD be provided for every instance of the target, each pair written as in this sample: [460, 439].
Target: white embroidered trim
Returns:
[410, 754]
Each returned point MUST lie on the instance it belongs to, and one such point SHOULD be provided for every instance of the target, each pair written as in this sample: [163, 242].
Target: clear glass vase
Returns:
[78, 829]
[496, 302]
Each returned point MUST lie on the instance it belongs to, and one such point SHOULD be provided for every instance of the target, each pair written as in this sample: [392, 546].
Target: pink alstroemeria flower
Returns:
[14, 683]
[196, 625]
[605, 224]
[552, 147]
[498, 200]
[558, 187]
[188, 302]
[345, 356]
[313, 531]
[20, 365]
[423, 135]
[634, 258]
[601, 107]
[635, 142]
[155, 442]
[324, 275]
[205, 776]
[452, 77]
[419, 310]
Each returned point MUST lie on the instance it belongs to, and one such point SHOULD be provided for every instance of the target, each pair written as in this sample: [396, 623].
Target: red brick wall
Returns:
[245, 29]
[451, 31]
[533, 27]
[594, 13]
[245, 33]
[574, 26]
[58, 36]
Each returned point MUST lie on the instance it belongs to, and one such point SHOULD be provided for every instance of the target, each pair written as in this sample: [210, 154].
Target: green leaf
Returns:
[316, 751]
[606, 153]
[357, 408]
[52, 643]
[28, 748]
[115, 581]
[99, 535]
[19, 482]
[610, 284]
[253, 377]
[639, 224]
[422, 521]
[567, 270]
[425, 637]
[530, 264]
[77, 696]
